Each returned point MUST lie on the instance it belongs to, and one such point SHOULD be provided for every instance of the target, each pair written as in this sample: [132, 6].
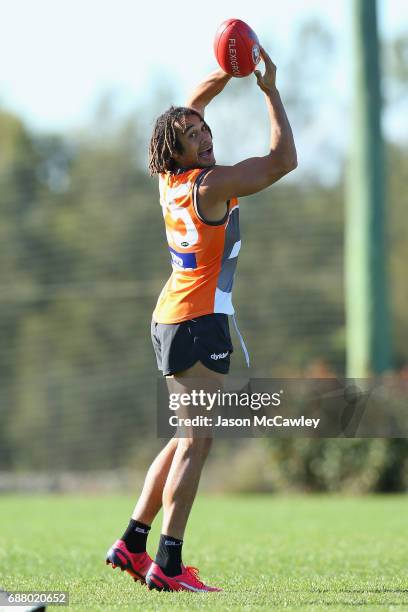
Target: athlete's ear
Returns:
[179, 150]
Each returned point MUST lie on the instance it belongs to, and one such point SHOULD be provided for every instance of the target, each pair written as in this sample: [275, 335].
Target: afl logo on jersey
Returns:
[185, 244]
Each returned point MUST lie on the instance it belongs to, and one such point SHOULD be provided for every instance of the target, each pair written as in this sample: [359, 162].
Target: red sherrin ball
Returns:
[236, 47]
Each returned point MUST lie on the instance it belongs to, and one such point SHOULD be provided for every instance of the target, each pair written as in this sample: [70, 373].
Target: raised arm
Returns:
[256, 173]
[212, 85]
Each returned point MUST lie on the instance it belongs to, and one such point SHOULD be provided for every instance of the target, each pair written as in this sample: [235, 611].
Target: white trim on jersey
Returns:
[223, 302]
[235, 250]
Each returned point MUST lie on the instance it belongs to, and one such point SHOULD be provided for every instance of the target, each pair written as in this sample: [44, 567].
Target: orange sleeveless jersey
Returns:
[203, 254]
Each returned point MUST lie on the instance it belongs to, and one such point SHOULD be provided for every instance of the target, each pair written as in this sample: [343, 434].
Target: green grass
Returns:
[267, 552]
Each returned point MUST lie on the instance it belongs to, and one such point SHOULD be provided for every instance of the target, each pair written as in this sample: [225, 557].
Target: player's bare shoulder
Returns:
[213, 204]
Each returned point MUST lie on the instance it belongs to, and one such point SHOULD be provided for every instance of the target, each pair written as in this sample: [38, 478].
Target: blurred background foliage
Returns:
[83, 258]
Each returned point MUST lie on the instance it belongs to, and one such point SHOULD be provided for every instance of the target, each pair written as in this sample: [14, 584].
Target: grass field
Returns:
[267, 552]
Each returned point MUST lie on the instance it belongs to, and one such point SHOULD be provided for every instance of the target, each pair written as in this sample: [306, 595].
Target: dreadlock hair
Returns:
[164, 142]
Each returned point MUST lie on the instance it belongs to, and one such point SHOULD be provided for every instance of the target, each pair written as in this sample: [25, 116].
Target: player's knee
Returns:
[207, 443]
[193, 446]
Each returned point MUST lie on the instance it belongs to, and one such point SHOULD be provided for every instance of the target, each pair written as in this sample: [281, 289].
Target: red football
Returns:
[236, 47]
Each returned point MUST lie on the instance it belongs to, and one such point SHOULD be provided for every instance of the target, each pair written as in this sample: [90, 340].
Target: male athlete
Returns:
[190, 330]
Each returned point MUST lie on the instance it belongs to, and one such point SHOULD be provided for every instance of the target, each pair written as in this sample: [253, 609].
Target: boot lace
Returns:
[194, 572]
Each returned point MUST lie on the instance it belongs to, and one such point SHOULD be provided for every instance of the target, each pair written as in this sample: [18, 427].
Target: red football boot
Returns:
[188, 580]
[135, 564]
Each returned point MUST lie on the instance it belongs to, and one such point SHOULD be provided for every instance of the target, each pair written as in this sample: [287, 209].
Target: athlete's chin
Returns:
[207, 163]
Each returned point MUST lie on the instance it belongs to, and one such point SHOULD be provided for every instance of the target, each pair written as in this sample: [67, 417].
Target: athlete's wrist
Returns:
[272, 92]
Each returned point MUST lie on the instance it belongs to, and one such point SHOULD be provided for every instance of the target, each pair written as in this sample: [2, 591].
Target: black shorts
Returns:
[179, 346]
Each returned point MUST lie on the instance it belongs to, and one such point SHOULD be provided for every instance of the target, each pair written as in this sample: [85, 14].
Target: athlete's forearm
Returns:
[282, 144]
[210, 87]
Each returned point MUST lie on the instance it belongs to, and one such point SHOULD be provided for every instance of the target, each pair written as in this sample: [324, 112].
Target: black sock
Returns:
[135, 536]
[169, 555]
